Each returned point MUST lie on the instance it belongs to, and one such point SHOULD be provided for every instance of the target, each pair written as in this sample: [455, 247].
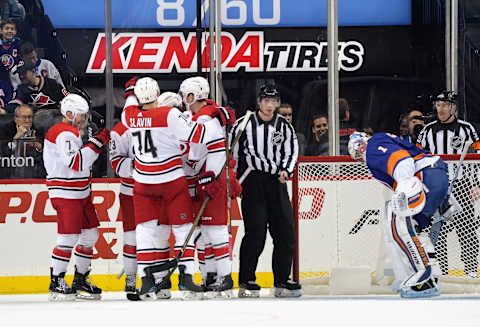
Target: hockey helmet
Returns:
[74, 103]
[415, 196]
[357, 145]
[170, 99]
[268, 91]
[449, 96]
[198, 86]
[146, 90]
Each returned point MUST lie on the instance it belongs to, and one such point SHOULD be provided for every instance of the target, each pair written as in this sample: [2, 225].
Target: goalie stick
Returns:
[171, 265]
[438, 219]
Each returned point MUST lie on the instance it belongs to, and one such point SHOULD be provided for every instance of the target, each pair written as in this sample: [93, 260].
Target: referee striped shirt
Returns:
[265, 146]
[450, 138]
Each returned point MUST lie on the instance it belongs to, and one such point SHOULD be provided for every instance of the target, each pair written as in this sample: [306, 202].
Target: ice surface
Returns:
[115, 310]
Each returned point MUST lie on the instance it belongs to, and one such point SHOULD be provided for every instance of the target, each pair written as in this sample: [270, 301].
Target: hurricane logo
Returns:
[277, 137]
[7, 61]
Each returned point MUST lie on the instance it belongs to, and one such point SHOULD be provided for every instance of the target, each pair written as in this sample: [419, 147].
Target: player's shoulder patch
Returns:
[60, 128]
[119, 128]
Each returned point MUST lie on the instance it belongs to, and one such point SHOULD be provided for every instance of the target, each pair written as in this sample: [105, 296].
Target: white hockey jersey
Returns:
[67, 162]
[122, 157]
[45, 68]
[156, 137]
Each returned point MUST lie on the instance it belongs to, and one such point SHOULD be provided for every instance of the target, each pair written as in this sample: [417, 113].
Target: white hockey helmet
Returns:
[198, 86]
[146, 90]
[74, 103]
[415, 196]
[357, 145]
[170, 99]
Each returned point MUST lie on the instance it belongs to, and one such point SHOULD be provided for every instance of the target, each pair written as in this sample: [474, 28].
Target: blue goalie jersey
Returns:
[390, 158]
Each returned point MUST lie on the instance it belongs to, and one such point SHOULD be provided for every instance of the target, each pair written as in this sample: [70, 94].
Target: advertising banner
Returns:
[235, 13]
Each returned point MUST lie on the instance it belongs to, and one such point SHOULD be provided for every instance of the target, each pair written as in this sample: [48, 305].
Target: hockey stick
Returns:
[439, 219]
[171, 265]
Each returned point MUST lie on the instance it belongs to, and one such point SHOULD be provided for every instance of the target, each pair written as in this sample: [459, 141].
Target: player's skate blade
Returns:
[249, 290]
[60, 297]
[287, 289]
[428, 289]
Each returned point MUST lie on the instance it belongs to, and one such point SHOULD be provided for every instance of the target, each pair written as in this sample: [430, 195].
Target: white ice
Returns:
[115, 310]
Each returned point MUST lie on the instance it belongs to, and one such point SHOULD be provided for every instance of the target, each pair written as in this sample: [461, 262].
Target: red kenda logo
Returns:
[165, 52]
[161, 52]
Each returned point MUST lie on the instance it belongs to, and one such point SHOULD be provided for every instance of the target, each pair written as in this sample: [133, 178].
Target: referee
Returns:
[447, 135]
[266, 154]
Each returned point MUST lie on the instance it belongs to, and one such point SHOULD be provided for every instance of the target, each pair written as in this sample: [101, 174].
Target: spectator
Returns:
[18, 139]
[346, 127]
[12, 9]
[318, 144]
[403, 127]
[43, 67]
[415, 124]
[38, 91]
[286, 110]
[8, 48]
[6, 94]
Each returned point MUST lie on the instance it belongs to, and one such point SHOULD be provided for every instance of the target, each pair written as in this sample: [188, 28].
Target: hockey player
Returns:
[160, 191]
[68, 162]
[122, 159]
[420, 184]
[205, 162]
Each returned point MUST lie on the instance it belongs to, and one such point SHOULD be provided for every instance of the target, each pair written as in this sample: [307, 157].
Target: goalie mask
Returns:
[410, 197]
[357, 145]
[146, 90]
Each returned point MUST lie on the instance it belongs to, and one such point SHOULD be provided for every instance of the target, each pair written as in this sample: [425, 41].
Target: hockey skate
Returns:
[130, 284]
[427, 289]
[222, 288]
[190, 290]
[146, 291]
[211, 279]
[162, 289]
[287, 289]
[249, 290]
[84, 288]
[59, 289]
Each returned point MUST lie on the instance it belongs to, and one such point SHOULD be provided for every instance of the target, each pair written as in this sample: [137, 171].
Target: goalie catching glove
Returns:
[98, 142]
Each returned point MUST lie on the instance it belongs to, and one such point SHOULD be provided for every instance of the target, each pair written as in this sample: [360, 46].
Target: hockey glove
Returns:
[129, 86]
[225, 115]
[208, 183]
[235, 186]
[98, 142]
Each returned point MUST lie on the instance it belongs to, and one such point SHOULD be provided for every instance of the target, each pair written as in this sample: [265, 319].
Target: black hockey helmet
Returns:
[449, 96]
[268, 91]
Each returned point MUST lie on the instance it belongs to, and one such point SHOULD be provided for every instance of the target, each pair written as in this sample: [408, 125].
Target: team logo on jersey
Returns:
[7, 61]
[277, 138]
[41, 100]
[456, 142]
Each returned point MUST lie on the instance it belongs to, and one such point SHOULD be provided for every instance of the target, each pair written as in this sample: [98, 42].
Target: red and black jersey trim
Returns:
[77, 162]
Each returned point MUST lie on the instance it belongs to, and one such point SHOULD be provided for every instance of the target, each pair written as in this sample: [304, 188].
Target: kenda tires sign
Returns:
[167, 52]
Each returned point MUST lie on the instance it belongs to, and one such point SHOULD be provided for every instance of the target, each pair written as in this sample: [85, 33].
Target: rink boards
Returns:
[28, 233]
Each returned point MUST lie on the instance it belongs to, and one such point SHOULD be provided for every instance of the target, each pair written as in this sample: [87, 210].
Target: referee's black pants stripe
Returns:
[266, 204]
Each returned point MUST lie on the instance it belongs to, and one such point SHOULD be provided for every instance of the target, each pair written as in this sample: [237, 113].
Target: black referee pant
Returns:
[265, 203]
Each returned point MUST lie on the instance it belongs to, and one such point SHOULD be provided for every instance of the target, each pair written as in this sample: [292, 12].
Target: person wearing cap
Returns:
[36, 90]
[447, 135]
[266, 155]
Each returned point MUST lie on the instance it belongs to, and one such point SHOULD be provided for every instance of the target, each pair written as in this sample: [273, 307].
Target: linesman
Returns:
[447, 135]
[266, 154]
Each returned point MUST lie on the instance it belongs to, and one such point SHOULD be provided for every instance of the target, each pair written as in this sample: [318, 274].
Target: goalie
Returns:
[420, 182]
